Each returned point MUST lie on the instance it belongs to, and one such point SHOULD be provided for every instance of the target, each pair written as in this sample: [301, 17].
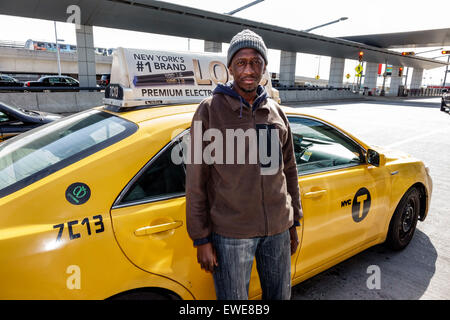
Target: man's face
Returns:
[247, 69]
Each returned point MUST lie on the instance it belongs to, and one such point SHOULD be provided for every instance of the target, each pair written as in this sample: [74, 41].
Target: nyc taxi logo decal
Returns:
[360, 204]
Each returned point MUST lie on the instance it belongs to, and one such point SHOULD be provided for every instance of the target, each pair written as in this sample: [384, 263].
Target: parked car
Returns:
[445, 102]
[53, 82]
[7, 81]
[14, 121]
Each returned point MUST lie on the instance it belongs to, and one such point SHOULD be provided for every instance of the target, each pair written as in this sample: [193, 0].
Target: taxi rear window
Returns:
[38, 153]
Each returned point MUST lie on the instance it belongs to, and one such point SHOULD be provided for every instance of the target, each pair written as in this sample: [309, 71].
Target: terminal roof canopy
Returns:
[412, 39]
[170, 19]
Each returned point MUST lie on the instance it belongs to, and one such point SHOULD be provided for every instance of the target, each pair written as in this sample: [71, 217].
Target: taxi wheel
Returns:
[404, 221]
[143, 294]
[442, 106]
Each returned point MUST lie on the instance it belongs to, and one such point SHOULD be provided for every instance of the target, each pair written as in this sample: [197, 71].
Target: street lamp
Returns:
[430, 51]
[318, 69]
[233, 12]
[244, 7]
[325, 24]
[57, 49]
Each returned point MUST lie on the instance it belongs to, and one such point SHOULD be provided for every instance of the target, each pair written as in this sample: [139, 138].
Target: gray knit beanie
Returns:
[246, 39]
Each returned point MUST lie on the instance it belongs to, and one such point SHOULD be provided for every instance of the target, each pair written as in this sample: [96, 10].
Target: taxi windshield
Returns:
[40, 152]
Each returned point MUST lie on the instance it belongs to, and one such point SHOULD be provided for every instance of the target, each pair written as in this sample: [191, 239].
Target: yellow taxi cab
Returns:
[92, 206]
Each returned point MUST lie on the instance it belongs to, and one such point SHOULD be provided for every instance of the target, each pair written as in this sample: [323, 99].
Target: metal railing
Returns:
[50, 89]
[311, 88]
[422, 92]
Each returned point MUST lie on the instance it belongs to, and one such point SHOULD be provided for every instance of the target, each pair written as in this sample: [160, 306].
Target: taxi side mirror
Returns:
[375, 158]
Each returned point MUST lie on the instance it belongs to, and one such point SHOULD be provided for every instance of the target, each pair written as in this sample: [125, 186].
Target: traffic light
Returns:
[400, 71]
[410, 53]
[361, 54]
[445, 52]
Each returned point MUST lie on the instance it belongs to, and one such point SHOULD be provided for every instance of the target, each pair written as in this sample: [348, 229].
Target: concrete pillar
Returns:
[371, 76]
[211, 46]
[396, 81]
[416, 80]
[336, 72]
[287, 68]
[86, 56]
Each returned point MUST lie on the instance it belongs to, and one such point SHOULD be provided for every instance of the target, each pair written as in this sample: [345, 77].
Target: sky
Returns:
[364, 17]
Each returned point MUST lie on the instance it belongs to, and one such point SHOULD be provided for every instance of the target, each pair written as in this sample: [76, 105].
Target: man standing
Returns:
[237, 211]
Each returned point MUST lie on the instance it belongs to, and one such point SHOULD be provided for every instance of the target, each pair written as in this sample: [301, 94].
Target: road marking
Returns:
[395, 144]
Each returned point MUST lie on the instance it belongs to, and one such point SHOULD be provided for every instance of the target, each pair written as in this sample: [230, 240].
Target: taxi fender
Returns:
[403, 177]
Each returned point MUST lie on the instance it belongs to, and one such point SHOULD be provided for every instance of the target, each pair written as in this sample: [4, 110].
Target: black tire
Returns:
[442, 106]
[139, 294]
[404, 221]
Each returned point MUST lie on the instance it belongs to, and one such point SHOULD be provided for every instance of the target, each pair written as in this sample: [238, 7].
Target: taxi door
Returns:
[344, 199]
[149, 221]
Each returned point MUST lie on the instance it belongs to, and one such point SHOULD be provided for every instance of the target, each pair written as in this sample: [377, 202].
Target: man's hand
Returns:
[206, 257]
[294, 239]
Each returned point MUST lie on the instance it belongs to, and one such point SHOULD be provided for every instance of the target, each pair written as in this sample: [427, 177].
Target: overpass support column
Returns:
[211, 46]
[371, 76]
[396, 81]
[86, 56]
[336, 72]
[287, 68]
[416, 80]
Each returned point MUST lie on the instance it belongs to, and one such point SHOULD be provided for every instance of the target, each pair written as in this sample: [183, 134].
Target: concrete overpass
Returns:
[169, 19]
[13, 60]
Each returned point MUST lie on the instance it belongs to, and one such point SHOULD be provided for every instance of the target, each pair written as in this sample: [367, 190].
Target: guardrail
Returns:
[57, 101]
[46, 89]
[312, 88]
[422, 92]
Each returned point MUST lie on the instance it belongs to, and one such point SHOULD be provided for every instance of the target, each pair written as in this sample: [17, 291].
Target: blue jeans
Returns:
[235, 258]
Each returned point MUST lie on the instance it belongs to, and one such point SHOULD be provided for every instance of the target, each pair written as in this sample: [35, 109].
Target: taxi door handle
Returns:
[314, 194]
[144, 231]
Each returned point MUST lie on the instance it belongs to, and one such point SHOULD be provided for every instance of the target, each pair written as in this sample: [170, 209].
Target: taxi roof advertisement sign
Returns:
[158, 77]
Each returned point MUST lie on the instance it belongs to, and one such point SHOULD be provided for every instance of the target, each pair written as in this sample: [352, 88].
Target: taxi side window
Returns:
[160, 179]
[319, 147]
[43, 152]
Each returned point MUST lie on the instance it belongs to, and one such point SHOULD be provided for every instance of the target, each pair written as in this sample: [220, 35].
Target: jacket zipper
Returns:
[262, 183]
